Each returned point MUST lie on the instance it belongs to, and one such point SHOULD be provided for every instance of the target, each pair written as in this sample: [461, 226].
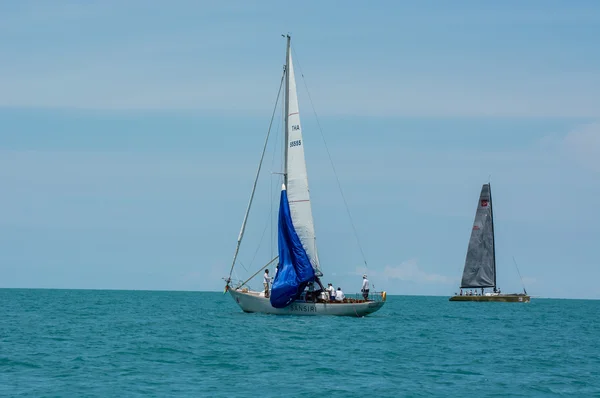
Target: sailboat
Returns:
[480, 264]
[297, 287]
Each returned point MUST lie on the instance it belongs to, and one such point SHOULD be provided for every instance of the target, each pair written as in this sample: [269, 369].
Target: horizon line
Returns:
[218, 291]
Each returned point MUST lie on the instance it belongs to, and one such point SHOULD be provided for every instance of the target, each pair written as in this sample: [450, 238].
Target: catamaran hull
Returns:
[504, 298]
[255, 302]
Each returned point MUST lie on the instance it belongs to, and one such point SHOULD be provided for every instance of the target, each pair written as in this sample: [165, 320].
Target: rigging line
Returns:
[273, 200]
[277, 136]
[271, 235]
[260, 241]
[236, 275]
[241, 235]
[519, 272]
[257, 272]
[243, 266]
[331, 161]
[271, 214]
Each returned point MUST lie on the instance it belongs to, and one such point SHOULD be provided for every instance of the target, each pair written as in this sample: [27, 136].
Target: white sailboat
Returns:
[298, 269]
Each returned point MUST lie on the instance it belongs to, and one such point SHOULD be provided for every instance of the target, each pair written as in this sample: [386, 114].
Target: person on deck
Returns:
[331, 291]
[365, 287]
[339, 295]
[310, 294]
[266, 282]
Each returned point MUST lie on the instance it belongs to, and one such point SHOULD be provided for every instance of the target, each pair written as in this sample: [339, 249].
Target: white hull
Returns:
[257, 302]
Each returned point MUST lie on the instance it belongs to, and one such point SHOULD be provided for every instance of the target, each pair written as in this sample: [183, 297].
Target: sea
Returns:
[103, 343]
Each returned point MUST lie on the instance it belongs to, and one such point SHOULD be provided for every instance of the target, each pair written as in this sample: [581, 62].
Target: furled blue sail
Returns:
[295, 270]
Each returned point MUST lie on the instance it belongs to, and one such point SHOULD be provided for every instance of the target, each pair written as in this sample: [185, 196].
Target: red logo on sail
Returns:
[484, 203]
[475, 228]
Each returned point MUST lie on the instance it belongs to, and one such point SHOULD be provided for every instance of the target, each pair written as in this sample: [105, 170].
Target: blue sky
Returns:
[130, 133]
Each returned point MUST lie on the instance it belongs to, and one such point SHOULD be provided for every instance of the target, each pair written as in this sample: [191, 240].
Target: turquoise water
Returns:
[137, 343]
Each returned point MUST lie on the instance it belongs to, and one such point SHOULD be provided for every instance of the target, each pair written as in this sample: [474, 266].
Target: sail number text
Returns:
[295, 127]
[295, 143]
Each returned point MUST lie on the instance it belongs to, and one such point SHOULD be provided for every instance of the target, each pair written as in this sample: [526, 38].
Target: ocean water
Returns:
[78, 343]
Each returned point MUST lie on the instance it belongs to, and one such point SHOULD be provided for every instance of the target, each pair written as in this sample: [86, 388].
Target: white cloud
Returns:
[408, 271]
[527, 281]
[132, 86]
[206, 67]
[583, 144]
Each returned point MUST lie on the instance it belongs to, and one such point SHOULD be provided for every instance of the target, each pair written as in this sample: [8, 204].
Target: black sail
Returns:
[480, 264]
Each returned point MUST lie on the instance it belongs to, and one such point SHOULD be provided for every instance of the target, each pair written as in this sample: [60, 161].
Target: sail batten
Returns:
[480, 262]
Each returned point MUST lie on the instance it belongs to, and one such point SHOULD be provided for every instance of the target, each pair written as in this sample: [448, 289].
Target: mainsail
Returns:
[294, 270]
[480, 264]
[296, 178]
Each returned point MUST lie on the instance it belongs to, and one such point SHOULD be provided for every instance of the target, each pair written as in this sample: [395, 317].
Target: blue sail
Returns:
[294, 269]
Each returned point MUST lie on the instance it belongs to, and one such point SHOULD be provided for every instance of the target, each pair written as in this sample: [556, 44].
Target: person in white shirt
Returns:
[365, 287]
[331, 292]
[266, 282]
[339, 295]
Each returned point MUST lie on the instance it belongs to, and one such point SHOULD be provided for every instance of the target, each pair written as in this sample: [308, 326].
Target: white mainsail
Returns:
[297, 178]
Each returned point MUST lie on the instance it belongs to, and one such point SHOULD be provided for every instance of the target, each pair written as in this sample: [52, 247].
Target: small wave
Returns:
[7, 364]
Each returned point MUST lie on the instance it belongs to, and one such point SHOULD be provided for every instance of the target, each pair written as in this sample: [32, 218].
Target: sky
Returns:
[130, 133]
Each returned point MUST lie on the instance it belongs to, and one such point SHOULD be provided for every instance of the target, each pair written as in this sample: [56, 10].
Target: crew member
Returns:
[365, 287]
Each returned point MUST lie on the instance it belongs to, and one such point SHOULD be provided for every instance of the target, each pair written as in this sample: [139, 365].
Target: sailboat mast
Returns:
[493, 235]
[287, 110]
